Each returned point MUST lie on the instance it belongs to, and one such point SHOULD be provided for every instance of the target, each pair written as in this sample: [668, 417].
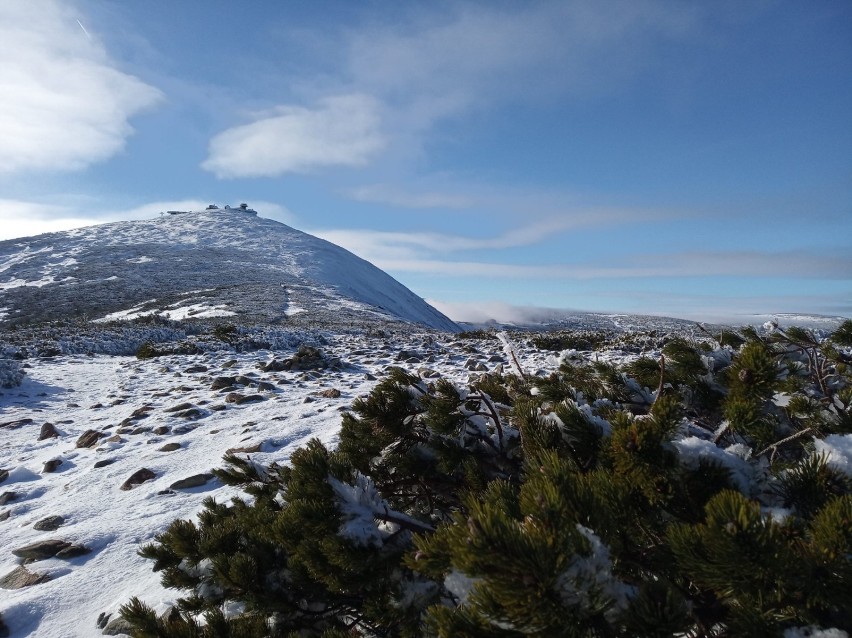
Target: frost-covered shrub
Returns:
[561, 505]
[11, 374]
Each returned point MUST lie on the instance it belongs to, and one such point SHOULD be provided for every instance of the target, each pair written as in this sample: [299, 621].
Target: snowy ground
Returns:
[80, 393]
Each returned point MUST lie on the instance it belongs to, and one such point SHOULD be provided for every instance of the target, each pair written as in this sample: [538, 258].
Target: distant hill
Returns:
[212, 263]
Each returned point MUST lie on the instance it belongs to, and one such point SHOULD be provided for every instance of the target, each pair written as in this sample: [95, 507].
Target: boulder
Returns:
[89, 438]
[117, 627]
[41, 549]
[169, 447]
[51, 466]
[137, 478]
[6, 497]
[4, 474]
[21, 577]
[49, 524]
[197, 480]
[48, 431]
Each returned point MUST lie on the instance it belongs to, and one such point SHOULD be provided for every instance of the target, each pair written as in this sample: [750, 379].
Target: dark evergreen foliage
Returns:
[563, 505]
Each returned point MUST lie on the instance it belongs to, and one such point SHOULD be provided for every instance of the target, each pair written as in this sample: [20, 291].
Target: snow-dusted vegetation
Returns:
[573, 483]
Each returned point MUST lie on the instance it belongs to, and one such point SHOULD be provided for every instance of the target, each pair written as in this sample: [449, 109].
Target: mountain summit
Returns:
[217, 262]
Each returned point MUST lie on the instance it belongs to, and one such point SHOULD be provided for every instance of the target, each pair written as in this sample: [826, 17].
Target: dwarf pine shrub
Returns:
[584, 503]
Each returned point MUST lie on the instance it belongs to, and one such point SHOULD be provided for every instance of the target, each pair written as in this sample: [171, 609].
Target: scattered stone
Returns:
[196, 480]
[13, 425]
[89, 438]
[141, 413]
[191, 413]
[239, 399]
[51, 466]
[103, 619]
[117, 627]
[137, 478]
[48, 431]
[163, 429]
[7, 497]
[194, 369]
[41, 549]
[115, 438]
[4, 515]
[140, 430]
[249, 449]
[308, 399]
[4, 474]
[49, 524]
[73, 551]
[230, 363]
[169, 447]
[219, 407]
[331, 393]
[369, 377]
[220, 383]
[495, 358]
[266, 386]
[244, 380]
[428, 373]
[20, 577]
[180, 407]
[104, 463]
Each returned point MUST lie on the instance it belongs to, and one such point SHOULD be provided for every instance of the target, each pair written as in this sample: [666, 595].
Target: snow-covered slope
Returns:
[211, 263]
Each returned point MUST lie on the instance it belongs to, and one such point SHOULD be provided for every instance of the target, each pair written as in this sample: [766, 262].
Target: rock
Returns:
[369, 377]
[219, 407]
[266, 386]
[12, 425]
[103, 619]
[4, 515]
[4, 474]
[20, 577]
[244, 380]
[48, 431]
[223, 382]
[308, 399]
[276, 366]
[180, 407]
[137, 478]
[115, 438]
[49, 524]
[163, 429]
[104, 463]
[117, 627]
[41, 549]
[249, 449]
[51, 466]
[89, 438]
[169, 447]
[138, 414]
[239, 399]
[331, 393]
[191, 413]
[230, 363]
[194, 369]
[428, 373]
[196, 480]
[73, 551]
[7, 497]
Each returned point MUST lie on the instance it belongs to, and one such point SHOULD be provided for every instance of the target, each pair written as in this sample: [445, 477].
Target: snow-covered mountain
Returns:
[221, 262]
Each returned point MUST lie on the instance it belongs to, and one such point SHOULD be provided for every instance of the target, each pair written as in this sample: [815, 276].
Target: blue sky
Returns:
[690, 159]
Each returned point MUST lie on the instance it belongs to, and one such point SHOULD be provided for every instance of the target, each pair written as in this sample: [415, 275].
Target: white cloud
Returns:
[393, 196]
[65, 104]
[468, 56]
[384, 245]
[343, 130]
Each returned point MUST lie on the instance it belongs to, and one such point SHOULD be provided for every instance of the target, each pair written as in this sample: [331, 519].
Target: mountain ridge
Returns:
[221, 262]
